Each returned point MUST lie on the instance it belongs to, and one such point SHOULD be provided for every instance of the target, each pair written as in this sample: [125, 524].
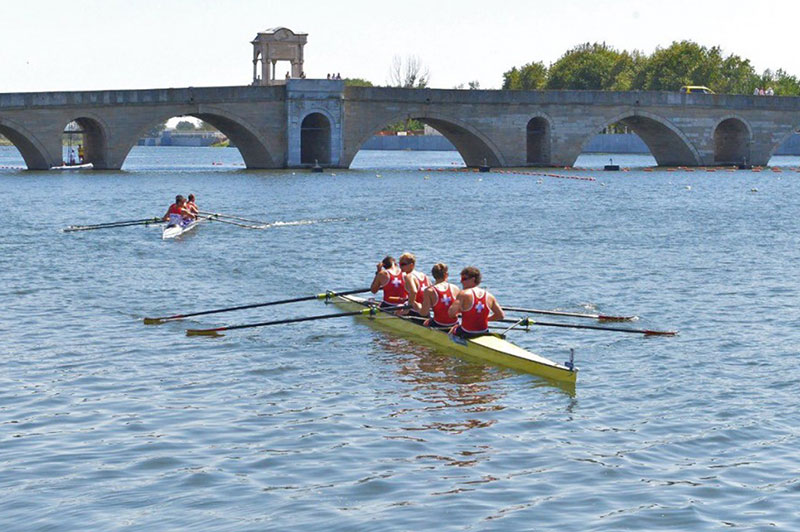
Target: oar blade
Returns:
[660, 333]
[603, 318]
[153, 321]
[204, 332]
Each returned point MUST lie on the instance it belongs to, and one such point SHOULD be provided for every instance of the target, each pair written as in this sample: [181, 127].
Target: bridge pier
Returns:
[314, 117]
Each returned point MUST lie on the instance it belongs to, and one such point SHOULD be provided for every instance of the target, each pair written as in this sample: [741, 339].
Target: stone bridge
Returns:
[304, 121]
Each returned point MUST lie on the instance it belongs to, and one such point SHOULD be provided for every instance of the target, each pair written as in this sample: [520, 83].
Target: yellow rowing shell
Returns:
[491, 348]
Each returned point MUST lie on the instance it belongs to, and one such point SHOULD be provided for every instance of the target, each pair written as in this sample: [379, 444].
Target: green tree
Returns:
[736, 76]
[683, 63]
[185, 125]
[357, 82]
[205, 126]
[532, 76]
[781, 82]
[601, 67]
[592, 67]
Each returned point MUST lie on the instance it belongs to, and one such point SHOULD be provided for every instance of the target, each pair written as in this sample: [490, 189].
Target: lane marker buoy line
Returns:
[511, 172]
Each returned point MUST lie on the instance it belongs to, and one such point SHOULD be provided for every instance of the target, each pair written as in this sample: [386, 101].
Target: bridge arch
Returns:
[782, 139]
[315, 137]
[538, 139]
[244, 135]
[474, 147]
[32, 150]
[95, 139]
[732, 140]
[668, 144]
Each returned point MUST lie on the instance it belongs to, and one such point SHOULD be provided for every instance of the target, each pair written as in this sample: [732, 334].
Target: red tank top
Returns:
[174, 209]
[191, 206]
[476, 318]
[423, 282]
[394, 291]
[444, 298]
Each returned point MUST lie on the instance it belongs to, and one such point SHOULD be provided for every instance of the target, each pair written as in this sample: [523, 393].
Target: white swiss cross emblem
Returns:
[479, 307]
[397, 282]
[446, 300]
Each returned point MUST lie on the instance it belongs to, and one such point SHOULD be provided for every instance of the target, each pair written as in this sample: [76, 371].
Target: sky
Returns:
[49, 45]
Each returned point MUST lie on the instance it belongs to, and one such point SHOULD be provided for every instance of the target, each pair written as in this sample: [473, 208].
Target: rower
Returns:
[389, 278]
[191, 206]
[415, 282]
[474, 304]
[177, 213]
[439, 297]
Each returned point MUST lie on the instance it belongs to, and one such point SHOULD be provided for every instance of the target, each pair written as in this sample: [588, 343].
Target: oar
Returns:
[599, 317]
[109, 225]
[216, 219]
[505, 330]
[646, 332]
[221, 215]
[372, 311]
[326, 295]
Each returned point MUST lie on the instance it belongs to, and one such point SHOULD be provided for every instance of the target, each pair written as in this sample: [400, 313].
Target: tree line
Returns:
[598, 66]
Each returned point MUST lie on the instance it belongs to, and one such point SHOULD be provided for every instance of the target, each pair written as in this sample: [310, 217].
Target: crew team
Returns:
[182, 211]
[403, 285]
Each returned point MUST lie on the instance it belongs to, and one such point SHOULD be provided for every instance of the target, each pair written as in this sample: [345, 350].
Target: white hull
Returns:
[86, 166]
[174, 231]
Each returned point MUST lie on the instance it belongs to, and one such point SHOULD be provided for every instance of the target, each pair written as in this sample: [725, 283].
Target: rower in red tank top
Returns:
[415, 282]
[390, 279]
[191, 205]
[439, 297]
[476, 306]
[475, 319]
[178, 209]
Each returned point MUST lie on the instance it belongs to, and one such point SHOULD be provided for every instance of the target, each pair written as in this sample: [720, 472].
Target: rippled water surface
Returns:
[108, 424]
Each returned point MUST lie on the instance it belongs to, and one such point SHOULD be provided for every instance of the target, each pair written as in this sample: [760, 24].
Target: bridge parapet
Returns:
[187, 95]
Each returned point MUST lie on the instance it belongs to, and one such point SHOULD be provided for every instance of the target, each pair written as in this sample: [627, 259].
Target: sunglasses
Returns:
[404, 263]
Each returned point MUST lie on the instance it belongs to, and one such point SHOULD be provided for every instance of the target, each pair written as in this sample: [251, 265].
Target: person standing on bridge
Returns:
[476, 306]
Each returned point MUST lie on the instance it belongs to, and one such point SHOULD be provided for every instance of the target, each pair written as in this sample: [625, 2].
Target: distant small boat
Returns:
[84, 166]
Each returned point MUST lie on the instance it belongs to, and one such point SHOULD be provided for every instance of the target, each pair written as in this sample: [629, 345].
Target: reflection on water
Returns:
[442, 382]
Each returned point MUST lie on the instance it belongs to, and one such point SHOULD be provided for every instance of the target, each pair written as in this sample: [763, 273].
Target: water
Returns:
[108, 424]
